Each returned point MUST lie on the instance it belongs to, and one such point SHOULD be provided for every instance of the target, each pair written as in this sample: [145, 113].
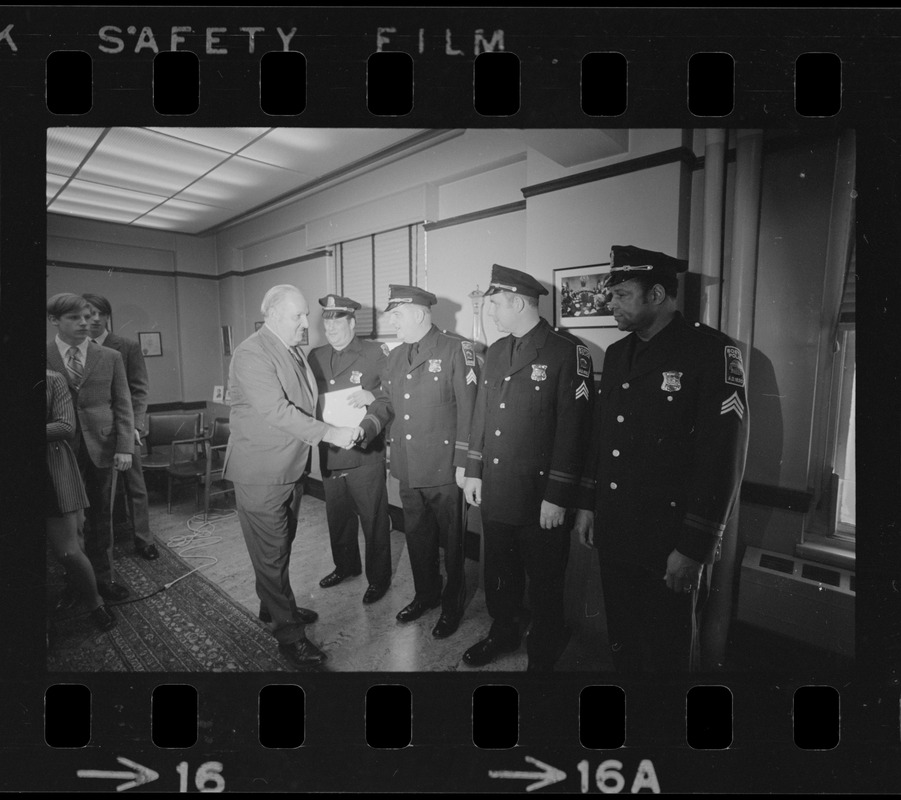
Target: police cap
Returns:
[334, 306]
[629, 262]
[506, 279]
[409, 294]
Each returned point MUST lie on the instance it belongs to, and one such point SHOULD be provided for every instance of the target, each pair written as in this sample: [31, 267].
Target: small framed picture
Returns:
[305, 337]
[226, 340]
[151, 343]
[257, 325]
[579, 297]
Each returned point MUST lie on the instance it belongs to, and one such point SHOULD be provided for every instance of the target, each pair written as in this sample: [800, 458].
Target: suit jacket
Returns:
[135, 371]
[360, 367]
[531, 425]
[102, 402]
[669, 445]
[432, 400]
[273, 422]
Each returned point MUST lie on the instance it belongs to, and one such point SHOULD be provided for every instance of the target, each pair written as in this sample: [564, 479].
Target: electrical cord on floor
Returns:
[201, 535]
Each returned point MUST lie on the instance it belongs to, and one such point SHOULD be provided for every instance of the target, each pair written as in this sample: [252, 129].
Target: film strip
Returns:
[774, 727]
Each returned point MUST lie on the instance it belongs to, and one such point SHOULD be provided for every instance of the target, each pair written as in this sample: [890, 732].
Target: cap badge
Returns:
[671, 382]
[434, 365]
[331, 301]
[356, 377]
[539, 372]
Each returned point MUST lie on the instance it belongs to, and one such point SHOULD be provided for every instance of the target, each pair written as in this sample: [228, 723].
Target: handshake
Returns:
[343, 437]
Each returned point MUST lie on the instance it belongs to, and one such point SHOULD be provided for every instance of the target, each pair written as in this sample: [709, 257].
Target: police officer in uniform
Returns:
[525, 466]
[668, 453]
[430, 383]
[354, 480]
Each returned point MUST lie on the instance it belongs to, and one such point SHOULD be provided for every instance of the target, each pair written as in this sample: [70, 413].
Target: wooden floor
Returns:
[356, 637]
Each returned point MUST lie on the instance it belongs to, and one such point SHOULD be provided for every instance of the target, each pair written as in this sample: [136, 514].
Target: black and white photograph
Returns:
[457, 400]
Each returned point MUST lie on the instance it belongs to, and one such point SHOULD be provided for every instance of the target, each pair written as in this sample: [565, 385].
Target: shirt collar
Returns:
[64, 348]
[102, 338]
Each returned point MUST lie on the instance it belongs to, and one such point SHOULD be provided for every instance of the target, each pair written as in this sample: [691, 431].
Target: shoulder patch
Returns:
[469, 354]
[583, 361]
[735, 371]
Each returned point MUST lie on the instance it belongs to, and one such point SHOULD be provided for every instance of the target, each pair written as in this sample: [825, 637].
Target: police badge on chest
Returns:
[356, 377]
[539, 372]
[434, 365]
[671, 381]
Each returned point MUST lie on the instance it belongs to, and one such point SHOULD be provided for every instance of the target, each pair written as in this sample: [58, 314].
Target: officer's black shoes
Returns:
[302, 653]
[416, 609]
[112, 591]
[484, 652]
[103, 618]
[334, 578]
[304, 615]
[148, 552]
[374, 593]
[446, 626]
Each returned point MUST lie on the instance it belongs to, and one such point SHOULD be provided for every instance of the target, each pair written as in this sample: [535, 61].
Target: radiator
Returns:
[799, 599]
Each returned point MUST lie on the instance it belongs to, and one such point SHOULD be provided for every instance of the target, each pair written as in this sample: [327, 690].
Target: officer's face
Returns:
[339, 331]
[290, 319]
[502, 310]
[405, 319]
[630, 306]
[73, 326]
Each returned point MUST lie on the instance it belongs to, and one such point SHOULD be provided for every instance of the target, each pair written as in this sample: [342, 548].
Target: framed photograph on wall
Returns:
[257, 325]
[226, 340]
[151, 343]
[579, 300]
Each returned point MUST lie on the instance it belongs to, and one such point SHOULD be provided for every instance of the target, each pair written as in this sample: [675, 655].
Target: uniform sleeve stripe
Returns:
[475, 455]
[375, 421]
[712, 528]
[588, 483]
[568, 480]
[556, 473]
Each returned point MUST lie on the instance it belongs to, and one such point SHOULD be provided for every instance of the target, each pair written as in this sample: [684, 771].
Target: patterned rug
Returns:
[193, 626]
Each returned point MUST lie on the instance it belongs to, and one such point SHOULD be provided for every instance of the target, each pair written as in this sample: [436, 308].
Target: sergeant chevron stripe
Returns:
[471, 377]
[582, 391]
[733, 403]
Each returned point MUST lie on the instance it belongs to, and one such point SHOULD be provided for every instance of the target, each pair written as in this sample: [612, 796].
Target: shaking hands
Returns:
[343, 437]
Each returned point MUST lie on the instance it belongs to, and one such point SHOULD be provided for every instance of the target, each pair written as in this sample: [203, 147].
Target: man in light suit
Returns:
[136, 372]
[105, 424]
[272, 394]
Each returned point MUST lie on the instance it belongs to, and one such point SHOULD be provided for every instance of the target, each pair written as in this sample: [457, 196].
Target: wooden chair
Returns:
[188, 462]
[215, 464]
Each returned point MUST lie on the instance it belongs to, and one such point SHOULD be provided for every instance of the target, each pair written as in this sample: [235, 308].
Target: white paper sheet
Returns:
[337, 411]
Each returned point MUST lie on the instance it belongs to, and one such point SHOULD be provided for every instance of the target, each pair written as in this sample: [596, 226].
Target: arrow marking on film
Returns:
[139, 777]
[546, 777]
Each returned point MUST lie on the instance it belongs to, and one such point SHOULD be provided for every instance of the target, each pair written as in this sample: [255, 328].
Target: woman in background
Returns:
[66, 500]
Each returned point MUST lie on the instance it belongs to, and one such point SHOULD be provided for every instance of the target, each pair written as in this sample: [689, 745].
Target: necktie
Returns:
[514, 351]
[74, 364]
[414, 351]
[298, 357]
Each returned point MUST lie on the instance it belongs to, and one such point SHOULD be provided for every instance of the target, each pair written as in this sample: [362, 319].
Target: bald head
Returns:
[285, 309]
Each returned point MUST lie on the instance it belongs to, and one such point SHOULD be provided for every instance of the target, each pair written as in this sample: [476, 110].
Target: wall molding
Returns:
[660, 159]
[472, 216]
[183, 274]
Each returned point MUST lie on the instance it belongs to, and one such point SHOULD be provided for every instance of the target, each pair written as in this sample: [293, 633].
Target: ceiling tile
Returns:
[241, 184]
[317, 151]
[100, 196]
[54, 184]
[90, 211]
[185, 217]
[147, 161]
[227, 139]
[66, 147]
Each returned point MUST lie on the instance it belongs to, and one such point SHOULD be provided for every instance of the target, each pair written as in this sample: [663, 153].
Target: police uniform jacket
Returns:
[531, 425]
[432, 400]
[360, 367]
[669, 444]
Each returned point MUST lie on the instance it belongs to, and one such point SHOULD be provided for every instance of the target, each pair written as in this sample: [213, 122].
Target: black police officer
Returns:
[668, 453]
[525, 466]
